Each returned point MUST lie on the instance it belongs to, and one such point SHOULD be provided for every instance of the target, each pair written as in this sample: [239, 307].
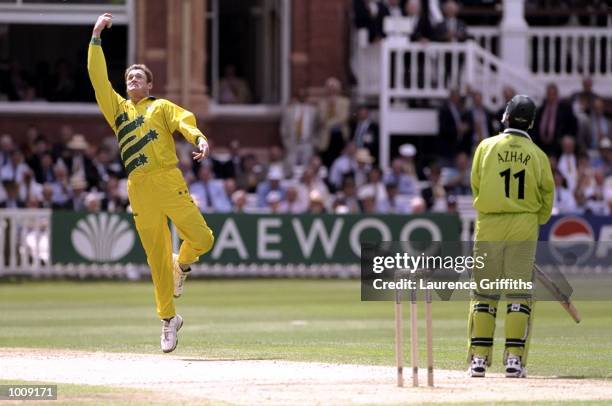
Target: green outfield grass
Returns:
[301, 320]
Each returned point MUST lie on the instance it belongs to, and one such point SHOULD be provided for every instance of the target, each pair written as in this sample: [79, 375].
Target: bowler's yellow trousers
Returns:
[156, 197]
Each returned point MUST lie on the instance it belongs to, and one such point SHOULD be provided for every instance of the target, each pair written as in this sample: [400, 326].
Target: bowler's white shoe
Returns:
[514, 368]
[179, 276]
[169, 335]
[478, 367]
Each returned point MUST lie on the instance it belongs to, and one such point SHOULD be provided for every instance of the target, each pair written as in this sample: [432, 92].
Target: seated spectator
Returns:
[316, 203]
[568, 162]
[40, 148]
[61, 186]
[601, 127]
[79, 191]
[45, 172]
[367, 199]
[297, 130]
[451, 29]
[343, 165]
[604, 160]
[6, 146]
[564, 201]
[114, 199]
[15, 168]
[403, 172]
[220, 159]
[235, 158]
[209, 193]
[435, 193]
[294, 202]
[591, 189]
[47, 198]
[12, 200]
[272, 183]
[364, 166]
[312, 182]
[239, 201]
[233, 89]
[364, 132]
[390, 204]
[276, 159]
[347, 196]
[375, 180]
[29, 187]
[93, 202]
[250, 175]
[273, 200]
[333, 116]
[418, 205]
[458, 181]
[79, 160]
[60, 150]
[319, 170]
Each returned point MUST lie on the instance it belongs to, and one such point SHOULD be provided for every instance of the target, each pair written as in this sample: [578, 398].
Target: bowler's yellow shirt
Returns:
[511, 174]
[144, 130]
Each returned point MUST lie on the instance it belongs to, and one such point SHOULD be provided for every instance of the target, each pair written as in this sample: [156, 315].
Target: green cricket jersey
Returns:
[511, 174]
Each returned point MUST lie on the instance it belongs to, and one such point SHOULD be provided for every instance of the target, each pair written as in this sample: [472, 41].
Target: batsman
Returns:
[512, 186]
[157, 190]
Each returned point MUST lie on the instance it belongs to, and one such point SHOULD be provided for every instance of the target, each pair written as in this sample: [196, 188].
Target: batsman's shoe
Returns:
[179, 276]
[514, 368]
[478, 367]
[169, 335]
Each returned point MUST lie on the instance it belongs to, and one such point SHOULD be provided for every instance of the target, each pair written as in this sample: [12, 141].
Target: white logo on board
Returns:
[102, 237]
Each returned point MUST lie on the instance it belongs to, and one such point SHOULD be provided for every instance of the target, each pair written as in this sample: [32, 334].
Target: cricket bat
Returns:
[557, 292]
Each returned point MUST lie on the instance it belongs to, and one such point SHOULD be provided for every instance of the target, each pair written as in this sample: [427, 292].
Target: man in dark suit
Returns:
[553, 119]
[364, 131]
[451, 29]
[13, 200]
[453, 130]
[370, 14]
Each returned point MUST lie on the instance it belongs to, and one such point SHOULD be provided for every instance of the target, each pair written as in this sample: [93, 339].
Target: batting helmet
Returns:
[520, 112]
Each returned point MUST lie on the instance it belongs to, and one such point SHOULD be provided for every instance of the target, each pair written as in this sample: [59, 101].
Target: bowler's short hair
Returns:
[141, 67]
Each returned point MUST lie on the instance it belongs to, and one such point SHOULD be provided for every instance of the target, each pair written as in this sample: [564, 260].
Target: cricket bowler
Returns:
[157, 190]
[512, 186]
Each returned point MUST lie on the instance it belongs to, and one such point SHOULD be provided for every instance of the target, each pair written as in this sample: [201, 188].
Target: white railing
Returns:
[564, 55]
[487, 38]
[423, 71]
[555, 54]
[489, 74]
[24, 240]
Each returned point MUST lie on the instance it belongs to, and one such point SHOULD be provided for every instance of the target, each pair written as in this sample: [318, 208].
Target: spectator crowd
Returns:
[327, 163]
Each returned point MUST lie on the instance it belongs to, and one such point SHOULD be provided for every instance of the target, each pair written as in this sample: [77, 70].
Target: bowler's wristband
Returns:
[96, 41]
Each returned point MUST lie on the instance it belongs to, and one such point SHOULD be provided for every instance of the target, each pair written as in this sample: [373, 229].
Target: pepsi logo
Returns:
[572, 240]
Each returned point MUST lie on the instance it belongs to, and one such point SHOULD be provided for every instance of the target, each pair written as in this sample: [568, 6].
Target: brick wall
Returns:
[319, 42]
